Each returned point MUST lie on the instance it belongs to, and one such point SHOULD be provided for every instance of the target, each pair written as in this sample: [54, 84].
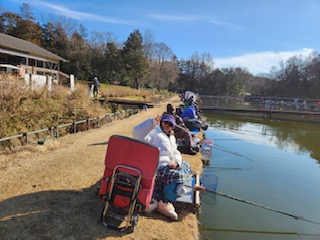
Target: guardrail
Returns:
[93, 122]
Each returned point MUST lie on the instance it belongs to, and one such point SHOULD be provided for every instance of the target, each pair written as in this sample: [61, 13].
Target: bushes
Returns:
[23, 110]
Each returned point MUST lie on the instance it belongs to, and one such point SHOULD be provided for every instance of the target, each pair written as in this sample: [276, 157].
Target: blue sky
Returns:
[255, 34]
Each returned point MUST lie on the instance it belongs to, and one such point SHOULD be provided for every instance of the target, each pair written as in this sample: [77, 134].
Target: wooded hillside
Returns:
[139, 61]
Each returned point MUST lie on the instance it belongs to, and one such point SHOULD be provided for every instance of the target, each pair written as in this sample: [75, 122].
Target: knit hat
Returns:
[168, 118]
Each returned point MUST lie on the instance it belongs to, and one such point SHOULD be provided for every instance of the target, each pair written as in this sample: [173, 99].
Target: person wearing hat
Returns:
[182, 132]
[172, 171]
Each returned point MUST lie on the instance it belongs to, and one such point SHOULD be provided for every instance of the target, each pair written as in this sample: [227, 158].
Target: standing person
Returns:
[145, 105]
[96, 86]
[172, 171]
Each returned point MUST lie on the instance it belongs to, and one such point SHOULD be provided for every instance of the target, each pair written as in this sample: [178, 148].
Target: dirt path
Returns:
[49, 191]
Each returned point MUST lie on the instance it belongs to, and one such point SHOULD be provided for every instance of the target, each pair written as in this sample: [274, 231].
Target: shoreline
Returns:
[49, 191]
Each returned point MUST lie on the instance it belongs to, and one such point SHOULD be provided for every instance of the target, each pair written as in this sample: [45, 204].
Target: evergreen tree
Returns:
[113, 67]
[26, 28]
[134, 60]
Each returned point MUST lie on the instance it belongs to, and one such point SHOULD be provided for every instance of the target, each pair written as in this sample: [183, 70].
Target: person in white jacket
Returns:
[172, 170]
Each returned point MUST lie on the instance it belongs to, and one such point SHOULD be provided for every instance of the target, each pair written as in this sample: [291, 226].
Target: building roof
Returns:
[13, 45]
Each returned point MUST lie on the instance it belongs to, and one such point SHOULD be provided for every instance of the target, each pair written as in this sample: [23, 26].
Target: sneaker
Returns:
[167, 209]
[152, 206]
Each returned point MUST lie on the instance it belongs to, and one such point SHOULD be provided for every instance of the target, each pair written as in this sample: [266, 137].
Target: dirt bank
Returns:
[49, 191]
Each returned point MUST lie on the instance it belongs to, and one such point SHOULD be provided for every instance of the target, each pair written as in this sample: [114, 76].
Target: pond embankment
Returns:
[49, 191]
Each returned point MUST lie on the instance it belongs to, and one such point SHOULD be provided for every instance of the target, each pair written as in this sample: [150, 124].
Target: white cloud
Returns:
[260, 62]
[226, 24]
[164, 17]
[193, 18]
[64, 11]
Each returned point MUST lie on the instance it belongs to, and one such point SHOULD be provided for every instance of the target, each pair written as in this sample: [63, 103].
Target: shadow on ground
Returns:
[54, 215]
[60, 214]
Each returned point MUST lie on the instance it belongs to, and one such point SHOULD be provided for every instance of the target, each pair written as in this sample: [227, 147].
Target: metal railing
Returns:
[54, 131]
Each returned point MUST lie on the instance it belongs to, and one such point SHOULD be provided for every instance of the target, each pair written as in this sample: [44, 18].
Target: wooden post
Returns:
[74, 127]
[26, 137]
[51, 133]
[72, 85]
[56, 132]
[270, 114]
[197, 191]
[88, 124]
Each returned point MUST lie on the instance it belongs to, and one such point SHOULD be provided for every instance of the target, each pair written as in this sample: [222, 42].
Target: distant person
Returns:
[96, 86]
[191, 118]
[189, 94]
[189, 113]
[305, 104]
[145, 105]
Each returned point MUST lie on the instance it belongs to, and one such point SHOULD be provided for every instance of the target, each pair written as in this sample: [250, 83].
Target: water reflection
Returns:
[290, 136]
[274, 164]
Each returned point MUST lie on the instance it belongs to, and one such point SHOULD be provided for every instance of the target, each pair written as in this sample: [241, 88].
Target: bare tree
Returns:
[163, 68]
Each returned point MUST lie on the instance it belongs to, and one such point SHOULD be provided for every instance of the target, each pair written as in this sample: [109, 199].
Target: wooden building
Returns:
[28, 58]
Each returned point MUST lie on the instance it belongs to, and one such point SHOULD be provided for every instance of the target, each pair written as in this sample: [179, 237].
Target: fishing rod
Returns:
[203, 228]
[203, 189]
[225, 169]
[228, 139]
[230, 152]
[238, 155]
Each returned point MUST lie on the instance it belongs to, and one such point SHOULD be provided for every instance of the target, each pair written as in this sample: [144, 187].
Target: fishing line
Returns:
[260, 206]
[235, 154]
[203, 228]
[231, 152]
[238, 155]
[220, 169]
[228, 139]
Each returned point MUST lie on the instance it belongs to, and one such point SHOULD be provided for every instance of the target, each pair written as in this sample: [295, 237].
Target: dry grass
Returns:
[49, 191]
[114, 91]
[23, 110]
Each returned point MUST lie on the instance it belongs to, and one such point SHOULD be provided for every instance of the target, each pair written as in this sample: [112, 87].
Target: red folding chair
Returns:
[128, 181]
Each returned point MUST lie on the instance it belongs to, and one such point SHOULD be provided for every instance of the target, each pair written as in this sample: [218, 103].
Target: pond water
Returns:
[273, 164]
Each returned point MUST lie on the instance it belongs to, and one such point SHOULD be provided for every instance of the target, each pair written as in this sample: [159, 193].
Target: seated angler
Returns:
[190, 117]
[172, 171]
[182, 133]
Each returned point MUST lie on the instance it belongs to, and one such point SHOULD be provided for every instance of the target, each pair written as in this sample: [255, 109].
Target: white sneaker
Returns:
[167, 209]
[152, 206]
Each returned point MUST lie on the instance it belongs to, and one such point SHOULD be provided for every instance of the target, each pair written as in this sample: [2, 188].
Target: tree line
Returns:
[140, 62]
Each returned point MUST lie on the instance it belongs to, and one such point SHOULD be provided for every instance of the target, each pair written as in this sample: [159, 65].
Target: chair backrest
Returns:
[134, 153]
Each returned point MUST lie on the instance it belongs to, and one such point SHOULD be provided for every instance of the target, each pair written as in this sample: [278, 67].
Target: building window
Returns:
[3, 58]
[39, 63]
[31, 62]
[22, 60]
[51, 65]
[13, 59]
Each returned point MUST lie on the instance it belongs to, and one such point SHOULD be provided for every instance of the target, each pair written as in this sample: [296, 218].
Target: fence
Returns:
[272, 104]
[89, 123]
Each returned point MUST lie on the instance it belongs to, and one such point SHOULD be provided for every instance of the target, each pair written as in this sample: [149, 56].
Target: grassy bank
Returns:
[24, 110]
